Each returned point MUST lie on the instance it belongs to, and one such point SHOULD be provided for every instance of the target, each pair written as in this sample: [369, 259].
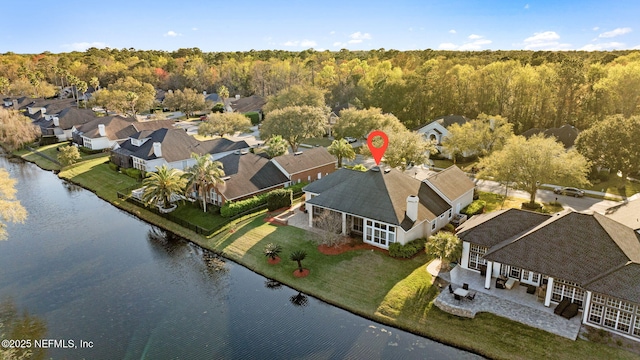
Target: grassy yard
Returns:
[498, 202]
[321, 141]
[96, 175]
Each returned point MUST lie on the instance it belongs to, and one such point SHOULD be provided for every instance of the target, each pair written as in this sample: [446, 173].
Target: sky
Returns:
[296, 25]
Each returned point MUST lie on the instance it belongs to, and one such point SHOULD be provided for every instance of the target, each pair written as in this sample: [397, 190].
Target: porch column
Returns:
[586, 304]
[487, 279]
[547, 299]
[310, 214]
[344, 223]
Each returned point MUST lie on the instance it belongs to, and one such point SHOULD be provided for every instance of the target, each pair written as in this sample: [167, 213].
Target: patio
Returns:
[515, 304]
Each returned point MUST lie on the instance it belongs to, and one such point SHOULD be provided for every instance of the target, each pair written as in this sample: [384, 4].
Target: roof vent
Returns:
[297, 153]
[387, 170]
[375, 168]
[242, 152]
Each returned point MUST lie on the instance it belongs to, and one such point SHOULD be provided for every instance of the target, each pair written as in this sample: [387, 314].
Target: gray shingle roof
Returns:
[492, 228]
[627, 213]
[248, 173]
[308, 159]
[377, 195]
[248, 104]
[447, 121]
[623, 282]
[452, 182]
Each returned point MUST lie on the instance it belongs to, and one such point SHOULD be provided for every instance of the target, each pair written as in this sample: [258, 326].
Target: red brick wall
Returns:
[304, 176]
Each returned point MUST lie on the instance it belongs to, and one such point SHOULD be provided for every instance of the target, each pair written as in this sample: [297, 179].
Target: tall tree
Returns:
[527, 163]
[295, 96]
[95, 83]
[405, 148]
[145, 93]
[68, 155]
[16, 130]
[187, 101]
[10, 208]
[359, 123]
[445, 246]
[341, 149]
[204, 175]
[294, 124]
[276, 146]
[161, 185]
[613, 143]
[224, 123]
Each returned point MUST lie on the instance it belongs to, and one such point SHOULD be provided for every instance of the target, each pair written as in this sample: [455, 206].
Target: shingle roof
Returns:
[446, 121]
[566, 134]
[492, 228]
[573, 246]
[622, 282]
[627, 213]
[248, 104]
[452, 182]
[71, 117]
[378, 195]
[309, 159]
[248, 173]
[113, 126]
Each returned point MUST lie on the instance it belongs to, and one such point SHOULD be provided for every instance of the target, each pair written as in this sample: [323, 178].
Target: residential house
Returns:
[148, 149]
[246, 175]
[589, 259]
[387, 206]
[436, 130]
[104, 132]
[62, 124]
[627, 213]
[566, 134]
[243, 105]
[307, 166]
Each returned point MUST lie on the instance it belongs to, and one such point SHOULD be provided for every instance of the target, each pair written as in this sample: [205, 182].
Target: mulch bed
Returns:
[302, 274]
[273, 261]
[337, 250]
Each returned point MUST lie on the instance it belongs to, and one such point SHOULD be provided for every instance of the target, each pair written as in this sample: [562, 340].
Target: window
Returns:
[433, 226]
[357, 225]
[450, 211]
[139, 164]
[476, 254]
[615, 314]
[565, 289]
[379, 233]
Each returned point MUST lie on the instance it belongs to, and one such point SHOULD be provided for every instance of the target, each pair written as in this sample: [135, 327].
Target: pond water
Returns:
[93, 273]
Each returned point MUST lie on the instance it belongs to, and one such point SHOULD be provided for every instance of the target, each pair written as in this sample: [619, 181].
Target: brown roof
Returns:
[248, 173]
[627, 213]
[492, 228]
[248, 104]
[571, 246]
[118, 127]
[71, 117]
[452, 182]
[378, 195]
[303, 161]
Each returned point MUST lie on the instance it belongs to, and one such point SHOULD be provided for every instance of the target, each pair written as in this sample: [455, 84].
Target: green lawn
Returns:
[498, 202]
[94, 174]
[322, 141]
[193, 213]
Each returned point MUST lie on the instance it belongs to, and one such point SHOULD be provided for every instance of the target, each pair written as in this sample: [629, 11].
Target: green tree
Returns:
[224, 123]
[82, 87]
[187, 101]
[204, 175]
[477, 137]
[161, 185]
[613, 143]
[276, 146]
[297, 95]
[298, 256]
[405, 148]
[294, 124]
[341, 149]
[445, 246]
[527, 163]
[10, 208]
[359, 123]
[95, 83]
[120, 90]
[272, 250]
[68, 155]
[16, 130]
[5, 84]
[223, 93]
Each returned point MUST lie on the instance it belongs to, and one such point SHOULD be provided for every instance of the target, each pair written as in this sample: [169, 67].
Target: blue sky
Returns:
[62, 26]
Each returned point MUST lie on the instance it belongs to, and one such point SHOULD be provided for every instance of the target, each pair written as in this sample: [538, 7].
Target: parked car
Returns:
[350, 139]
[569, 191]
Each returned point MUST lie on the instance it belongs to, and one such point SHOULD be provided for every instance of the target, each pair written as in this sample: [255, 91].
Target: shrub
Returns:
[449, 227]
[272, 250]
[530, 206]
[279, 198]
[408, 250]
[114, 167]
[296, 188]
[254, 116]
[232, 208]
[133, 173]
[88, 151]
[476, 207]
[603, 176]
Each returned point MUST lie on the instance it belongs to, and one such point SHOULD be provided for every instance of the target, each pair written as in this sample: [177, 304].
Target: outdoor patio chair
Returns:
[562, 305]
[570, 311]
[457, 297]
[471, 296]
[465, 286]
[450, 289]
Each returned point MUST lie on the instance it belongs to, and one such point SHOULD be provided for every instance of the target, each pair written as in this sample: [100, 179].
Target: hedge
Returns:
[408, 250]
[113, 166]
[133, 173]
[254, 116]
[231, 208]
[279, 198]
[476, 207]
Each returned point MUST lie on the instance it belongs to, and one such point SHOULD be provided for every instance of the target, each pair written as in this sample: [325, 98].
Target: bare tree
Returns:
[330, 225]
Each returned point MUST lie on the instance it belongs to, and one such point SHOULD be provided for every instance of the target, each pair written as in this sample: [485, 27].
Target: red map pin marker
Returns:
[377, 152]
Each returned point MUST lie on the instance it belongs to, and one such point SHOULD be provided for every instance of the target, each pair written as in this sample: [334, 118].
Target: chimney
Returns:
[101, 130]
[157, 149]
[412, 207]
[237, 96]
[56, 121]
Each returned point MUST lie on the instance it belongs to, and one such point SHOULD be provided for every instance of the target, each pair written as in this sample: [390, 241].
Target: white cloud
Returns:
[474, 37]
[615, 32]
[547, 40]
[171, 33]
[447, 46]
[452, 31]
[637, 47]
[82, 46]
[194, 29]
[604, 46]
[331, 32]
[596, 28]
[526, 7]
[474, 45]
[308, 43]
[358, 37]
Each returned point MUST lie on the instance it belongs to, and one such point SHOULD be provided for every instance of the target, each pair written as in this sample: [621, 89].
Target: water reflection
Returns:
[20, 325]
[300, 299]
[72, 188]
[272, 284]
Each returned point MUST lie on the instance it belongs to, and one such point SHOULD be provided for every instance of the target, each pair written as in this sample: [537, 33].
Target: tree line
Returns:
[532, 89]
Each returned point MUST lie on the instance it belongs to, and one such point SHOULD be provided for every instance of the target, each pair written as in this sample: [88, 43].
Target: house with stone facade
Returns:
[386, 206]
[588, 259]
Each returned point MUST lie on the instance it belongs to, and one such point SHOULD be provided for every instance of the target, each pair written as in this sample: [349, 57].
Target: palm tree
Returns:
[95, 83]
[272, 250]
[81, 86]
[204, 175]
[298, 256]
[342, 150]
[160, 185]
[444, 246]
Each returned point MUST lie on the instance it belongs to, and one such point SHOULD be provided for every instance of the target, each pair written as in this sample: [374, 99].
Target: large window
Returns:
[379, 233]
[615, 314]
[510, 271]
[476, 254]
[139, 164]
[357, 225]
[565, 289]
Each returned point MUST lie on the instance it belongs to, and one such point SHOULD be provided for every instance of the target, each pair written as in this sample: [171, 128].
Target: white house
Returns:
[436, 130]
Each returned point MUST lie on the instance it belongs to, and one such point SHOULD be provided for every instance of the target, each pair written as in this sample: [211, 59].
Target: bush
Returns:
[603, 176]
[408, 250]
[88, 151]
[449, 227]
[296, 188]
[232, 208]
[133, 173]
[279, 198]
[530, 206]
[114, 167]
[254, 116]
[476, 207]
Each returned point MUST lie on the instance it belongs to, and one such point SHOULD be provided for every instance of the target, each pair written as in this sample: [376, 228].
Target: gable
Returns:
[451, 182]
[495, 227]
[303, 161]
